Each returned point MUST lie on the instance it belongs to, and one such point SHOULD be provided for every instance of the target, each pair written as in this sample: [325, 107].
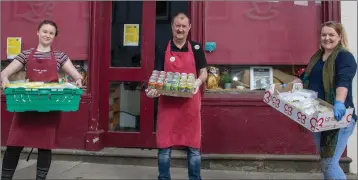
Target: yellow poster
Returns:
[131, 35]
[13, 47]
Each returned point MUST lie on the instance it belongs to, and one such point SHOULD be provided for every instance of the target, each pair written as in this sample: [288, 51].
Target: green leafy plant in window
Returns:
[226, 80]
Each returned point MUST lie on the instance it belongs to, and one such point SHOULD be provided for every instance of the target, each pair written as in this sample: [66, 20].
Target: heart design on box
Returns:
[314, 122]
[267, 97]
[301, 117]
[288, 109]
[276, 102]
[349, 118]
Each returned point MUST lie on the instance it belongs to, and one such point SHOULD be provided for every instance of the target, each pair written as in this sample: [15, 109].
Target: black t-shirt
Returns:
[200, 60]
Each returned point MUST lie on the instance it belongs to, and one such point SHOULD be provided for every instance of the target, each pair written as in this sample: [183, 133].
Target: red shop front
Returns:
[115, 43]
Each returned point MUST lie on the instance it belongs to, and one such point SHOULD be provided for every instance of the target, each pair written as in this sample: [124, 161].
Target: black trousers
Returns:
[11, 159]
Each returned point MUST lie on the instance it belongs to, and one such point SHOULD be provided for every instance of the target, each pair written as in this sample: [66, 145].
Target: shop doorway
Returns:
[134, 30]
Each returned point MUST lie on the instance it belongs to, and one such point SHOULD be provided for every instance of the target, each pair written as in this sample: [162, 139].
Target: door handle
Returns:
[142, 86]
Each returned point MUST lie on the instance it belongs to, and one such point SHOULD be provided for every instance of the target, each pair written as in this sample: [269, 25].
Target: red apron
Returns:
[179, 119]
[35, 129]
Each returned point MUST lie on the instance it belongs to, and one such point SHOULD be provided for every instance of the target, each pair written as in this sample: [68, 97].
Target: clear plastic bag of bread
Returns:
[213, 78]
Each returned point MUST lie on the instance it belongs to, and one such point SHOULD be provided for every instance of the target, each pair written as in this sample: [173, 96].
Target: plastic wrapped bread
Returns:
[304, 100]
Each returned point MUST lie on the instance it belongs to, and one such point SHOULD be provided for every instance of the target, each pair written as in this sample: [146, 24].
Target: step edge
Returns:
[252, 157]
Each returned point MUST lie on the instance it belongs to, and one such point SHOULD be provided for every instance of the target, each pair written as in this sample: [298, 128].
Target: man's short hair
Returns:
[182, 15]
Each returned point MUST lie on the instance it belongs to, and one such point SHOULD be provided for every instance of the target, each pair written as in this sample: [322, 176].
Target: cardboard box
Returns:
[317, 122]
[176, 93]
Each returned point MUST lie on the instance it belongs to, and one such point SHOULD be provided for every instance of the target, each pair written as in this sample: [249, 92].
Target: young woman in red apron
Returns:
[33, 129]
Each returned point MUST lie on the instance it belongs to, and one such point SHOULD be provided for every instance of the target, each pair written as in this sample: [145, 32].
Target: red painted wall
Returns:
[263, 33]
[21, 18]
[243, 124]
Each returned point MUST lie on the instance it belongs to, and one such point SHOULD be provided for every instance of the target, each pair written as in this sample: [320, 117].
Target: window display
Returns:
[239, 79]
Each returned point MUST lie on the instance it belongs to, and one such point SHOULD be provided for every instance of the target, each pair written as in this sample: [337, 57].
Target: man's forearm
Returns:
[341, 94]
[203, 75]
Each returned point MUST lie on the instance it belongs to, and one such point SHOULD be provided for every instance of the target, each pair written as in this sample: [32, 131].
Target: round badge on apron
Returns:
[196, 47]
[172, 59]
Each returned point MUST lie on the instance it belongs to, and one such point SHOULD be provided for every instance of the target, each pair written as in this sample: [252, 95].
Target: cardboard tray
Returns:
[176, 93]
[316, 122]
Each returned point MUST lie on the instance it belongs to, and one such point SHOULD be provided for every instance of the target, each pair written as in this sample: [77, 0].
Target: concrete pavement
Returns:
[85, 170]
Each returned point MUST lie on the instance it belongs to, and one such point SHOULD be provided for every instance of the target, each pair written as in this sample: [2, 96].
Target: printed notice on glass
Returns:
[261, 78]
[131, 35]
[13, 47]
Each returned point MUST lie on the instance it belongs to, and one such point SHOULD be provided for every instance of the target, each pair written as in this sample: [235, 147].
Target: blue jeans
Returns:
[194, 161]
[330, 166]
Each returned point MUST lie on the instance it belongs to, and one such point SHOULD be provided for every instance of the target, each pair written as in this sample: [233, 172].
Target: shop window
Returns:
[246, 78]
[277, 37]
[82, 67]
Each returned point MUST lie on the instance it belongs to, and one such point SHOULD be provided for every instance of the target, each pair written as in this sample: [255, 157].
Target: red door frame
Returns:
[146, 137]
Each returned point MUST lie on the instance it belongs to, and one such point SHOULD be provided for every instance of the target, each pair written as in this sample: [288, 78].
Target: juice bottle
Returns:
[151, 84]
[159, 85]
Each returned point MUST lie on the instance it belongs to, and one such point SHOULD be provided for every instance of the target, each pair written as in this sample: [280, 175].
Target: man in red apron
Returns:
[34, 129]
[178, 119]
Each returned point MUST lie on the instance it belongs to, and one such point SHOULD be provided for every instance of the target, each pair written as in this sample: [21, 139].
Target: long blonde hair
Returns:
[338, 27]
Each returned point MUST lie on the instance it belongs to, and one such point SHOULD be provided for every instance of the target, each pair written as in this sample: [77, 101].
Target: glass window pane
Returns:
[126, 34]
[124, 106]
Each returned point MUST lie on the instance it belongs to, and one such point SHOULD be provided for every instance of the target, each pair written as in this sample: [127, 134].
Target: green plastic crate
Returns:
[42, 100]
